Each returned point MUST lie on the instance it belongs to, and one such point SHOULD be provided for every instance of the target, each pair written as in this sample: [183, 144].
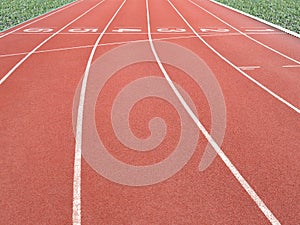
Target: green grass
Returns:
[13, 12]
[285, 13]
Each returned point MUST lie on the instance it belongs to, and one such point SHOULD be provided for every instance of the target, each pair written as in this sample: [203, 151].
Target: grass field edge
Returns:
[259, 19]
[38, 16]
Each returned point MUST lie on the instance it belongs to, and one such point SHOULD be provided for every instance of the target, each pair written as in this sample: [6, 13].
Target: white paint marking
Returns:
[262, 206]
[138, 33]
[249, 67]
[122, 30]
[43, 17]
[76, 216]
[42, 43]
[171, 30]
[259, 30]
[291, 66]
[91, 46]
[259, 19]
[256, 41]
[235, 67]
[38, 30]
[214, 30]
[83, 30]
[234, 34]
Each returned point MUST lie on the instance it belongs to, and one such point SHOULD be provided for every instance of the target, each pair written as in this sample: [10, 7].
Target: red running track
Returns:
[43, 62]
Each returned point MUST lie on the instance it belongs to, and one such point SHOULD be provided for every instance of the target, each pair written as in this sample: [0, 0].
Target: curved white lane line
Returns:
[212, 142]
[235, 67]
[42, 43]
[76, 216]
[259, 19]
[40, 17]
[244, 34]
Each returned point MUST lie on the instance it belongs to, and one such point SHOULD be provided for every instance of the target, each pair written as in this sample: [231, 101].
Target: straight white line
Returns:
[256, 41]
[204, 34]
[238, 34]
[34, 20]
[249, 67]
[97, 33]
[212, 142]
[42, 43]
[259, 19]
[90, 46]
[259, 30]
[76, 216]
[291, 66]
[235, 67]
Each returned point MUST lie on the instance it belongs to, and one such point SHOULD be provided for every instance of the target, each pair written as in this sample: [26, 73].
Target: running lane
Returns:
[37, 140]
[270, 66]
[37, 133]
[31, 35]
[213, 196]
[262, 135]
[275, 39]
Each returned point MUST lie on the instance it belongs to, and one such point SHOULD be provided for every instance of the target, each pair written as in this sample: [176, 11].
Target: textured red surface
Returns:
[37, 141]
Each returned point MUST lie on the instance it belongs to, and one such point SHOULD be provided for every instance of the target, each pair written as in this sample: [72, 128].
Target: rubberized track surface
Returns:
[43, 62]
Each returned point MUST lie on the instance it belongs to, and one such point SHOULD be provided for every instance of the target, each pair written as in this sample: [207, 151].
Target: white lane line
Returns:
[259, 30]
[251, 38]
[262, 206]
[127, 30]
[291, 66]
[42, 43]
[115, 33]
[258, 19]
[41, 17]
[76, 215]
[249, 67]
[105, 44]
[235, 67]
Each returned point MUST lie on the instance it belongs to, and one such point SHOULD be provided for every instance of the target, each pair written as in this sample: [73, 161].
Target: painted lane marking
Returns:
[121, 42]
[76, 215]
[91, 46]
[212, 142]
[204, 31]
[95, 30]
[236, 34]
[128, 30]
[38, 30]
[262, 206]
[138, 33]
[49, 30]
[256, 41]
[171, 30]
[235, 67]
[249, 67]
[214, 30]
[83, 30]
[45, 41]
[259, 30]
[43, 17]
[291, 66]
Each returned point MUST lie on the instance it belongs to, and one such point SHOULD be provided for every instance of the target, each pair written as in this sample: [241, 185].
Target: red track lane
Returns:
[284, 43]
[18, 43]
[268, 133]
[271, 73]
[37, 136]
[14, 42]
[37, 140]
